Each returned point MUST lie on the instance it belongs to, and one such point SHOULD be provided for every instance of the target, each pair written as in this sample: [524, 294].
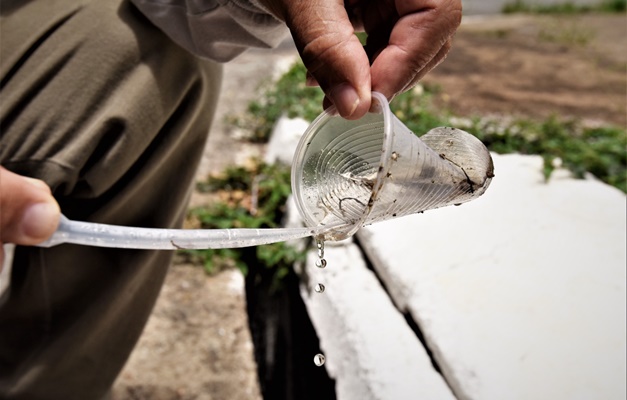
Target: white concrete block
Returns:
[520, 293]
[370, 350]
[284, 139]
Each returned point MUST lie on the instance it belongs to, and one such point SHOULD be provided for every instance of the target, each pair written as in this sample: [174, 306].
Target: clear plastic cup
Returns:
[354, 173]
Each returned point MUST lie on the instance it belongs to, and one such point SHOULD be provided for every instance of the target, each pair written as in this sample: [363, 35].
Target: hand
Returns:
[406, 39]
[28, 212]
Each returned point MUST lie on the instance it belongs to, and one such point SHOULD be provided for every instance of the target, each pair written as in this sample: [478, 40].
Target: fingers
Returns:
[28, 212]
[435, 61]
[406, 39]
[419, 41]
[332, 53]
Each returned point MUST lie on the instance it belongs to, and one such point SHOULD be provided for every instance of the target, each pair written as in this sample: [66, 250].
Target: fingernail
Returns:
[40, 220]
[345, 99]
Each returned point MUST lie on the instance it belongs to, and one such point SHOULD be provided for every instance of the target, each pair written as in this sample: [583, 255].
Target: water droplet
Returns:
[321, 263]
[320, 244]
[319, 360]
[319, 288]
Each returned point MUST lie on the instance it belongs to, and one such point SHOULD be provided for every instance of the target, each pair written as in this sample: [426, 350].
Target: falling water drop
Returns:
[319, 360]
[320, 244]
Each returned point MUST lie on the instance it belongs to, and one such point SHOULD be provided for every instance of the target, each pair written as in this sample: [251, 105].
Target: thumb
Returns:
[332, 53]
[28, 212]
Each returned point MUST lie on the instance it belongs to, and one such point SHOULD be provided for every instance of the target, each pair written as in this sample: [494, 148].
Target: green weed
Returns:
[288, 96]
[264, 190]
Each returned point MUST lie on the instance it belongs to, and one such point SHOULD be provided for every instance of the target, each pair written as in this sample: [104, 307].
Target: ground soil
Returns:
[537, 67]
[197, 344]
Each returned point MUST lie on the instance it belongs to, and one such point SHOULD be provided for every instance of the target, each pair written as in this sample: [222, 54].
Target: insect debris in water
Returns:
[350, 198]
[366, 181]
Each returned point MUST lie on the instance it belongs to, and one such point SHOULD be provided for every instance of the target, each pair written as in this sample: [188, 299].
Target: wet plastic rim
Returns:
[384, 164]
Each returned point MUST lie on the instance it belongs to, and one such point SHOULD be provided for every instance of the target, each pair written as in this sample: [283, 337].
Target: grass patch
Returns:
[566, 32]
[288, 96]
[252, 197]
[568, 7]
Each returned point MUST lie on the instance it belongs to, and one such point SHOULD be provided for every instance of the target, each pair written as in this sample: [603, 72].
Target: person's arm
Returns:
[28, 212]
[218, 30]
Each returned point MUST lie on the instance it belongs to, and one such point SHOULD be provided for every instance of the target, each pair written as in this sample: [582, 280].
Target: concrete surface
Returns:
[521, 293]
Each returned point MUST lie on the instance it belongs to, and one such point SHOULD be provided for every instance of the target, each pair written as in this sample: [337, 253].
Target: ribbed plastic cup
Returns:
[355, 173]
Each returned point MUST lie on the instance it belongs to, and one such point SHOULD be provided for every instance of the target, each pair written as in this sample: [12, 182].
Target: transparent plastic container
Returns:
[353, 173]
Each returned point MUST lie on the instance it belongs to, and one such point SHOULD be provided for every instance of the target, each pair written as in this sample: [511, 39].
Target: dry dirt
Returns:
[197, 344]
[538, 67]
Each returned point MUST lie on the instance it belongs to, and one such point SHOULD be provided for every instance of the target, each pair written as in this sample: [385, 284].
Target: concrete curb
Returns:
[521, 293]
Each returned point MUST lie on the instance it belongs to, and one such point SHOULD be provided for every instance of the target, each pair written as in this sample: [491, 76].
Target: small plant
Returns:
[289, 96]
[261, 193]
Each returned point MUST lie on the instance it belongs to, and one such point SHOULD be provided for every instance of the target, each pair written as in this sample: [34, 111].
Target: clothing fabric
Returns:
[216, 29]
[113, 115]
